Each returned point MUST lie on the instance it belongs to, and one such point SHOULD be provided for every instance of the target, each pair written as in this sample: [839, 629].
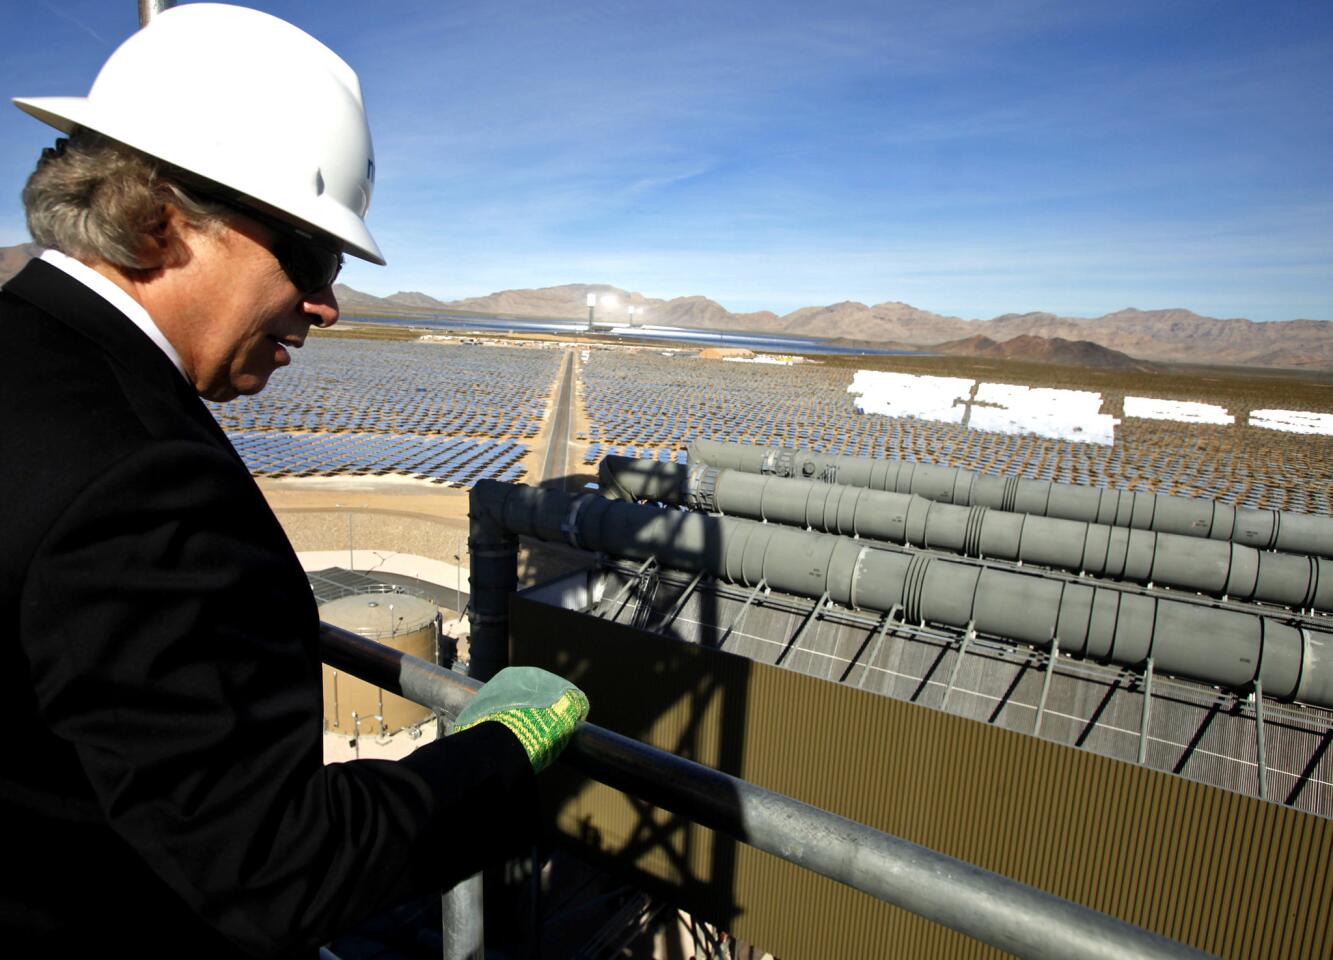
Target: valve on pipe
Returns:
[1283, 530]
[1213, 567]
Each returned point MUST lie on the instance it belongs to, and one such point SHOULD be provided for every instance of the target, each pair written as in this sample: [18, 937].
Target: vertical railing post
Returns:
[462, 918]
[148, 9]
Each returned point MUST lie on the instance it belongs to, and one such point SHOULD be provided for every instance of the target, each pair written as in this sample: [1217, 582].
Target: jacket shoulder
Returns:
[63, 403]
[70, 410]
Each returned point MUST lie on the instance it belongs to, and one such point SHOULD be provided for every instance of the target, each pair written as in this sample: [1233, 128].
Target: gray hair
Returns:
[94, 198]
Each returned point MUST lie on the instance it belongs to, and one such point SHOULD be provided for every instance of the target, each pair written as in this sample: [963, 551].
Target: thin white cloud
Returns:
[70, 18]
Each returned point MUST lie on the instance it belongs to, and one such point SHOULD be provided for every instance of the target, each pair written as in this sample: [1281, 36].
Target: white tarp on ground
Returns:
[1043, 411]
[908, 395]
[1181, 411]
[1293, 421]
[998, 407]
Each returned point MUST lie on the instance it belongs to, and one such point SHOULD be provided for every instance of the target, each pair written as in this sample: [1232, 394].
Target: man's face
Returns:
[243, 316]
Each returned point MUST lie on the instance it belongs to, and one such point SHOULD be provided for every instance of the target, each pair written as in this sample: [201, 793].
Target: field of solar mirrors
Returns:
[650, 405]
[445, 413]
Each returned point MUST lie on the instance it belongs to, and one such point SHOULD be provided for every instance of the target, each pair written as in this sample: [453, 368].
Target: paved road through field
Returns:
[556, 462]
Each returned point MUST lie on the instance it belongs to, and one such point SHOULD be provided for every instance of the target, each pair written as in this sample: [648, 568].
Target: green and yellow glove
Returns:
[539, 708]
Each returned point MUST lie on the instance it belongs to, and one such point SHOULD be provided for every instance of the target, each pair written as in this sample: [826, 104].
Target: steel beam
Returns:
[969, 634]
[1259, 738]
[1051, 657]
[679, 605]
[740, 614]
[795, 642]
[879, 643]
[1147, 710]
[602, 607]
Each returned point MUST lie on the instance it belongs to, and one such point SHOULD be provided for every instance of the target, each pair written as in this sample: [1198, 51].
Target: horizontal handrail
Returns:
[987, 906]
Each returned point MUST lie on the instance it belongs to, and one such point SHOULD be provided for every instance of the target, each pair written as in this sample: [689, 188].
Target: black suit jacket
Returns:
[160, 680]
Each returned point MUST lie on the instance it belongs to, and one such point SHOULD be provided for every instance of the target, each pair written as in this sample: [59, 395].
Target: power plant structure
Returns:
[1122, 699]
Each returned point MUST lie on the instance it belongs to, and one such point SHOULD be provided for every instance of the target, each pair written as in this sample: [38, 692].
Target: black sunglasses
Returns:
[309, 266]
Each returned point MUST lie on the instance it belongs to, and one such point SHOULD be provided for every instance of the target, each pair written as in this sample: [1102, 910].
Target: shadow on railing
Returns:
[987, 906]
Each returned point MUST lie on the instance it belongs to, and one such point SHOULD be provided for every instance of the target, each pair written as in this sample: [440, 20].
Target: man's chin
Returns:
[241, 387]
[250, 387]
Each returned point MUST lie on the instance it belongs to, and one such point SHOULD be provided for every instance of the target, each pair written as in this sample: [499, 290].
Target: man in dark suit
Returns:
[164, 790]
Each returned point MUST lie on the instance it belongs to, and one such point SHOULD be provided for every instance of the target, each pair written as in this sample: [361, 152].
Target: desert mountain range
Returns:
[1146, 335]
[1116, 339]
[12, 259]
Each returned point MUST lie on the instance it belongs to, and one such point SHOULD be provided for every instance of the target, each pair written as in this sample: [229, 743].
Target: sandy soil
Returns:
[393, 494]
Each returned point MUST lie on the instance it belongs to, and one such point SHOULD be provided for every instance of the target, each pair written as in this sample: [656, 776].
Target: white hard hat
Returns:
[245, 100]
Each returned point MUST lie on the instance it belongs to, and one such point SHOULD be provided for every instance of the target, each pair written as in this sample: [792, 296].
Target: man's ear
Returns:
[166, 242]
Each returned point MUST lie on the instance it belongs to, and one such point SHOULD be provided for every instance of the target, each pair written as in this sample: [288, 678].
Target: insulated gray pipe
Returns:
[1263, 529]
[1141, 556]
[1228, 648]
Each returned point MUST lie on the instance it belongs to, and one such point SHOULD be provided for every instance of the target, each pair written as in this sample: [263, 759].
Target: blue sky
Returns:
[969, 158]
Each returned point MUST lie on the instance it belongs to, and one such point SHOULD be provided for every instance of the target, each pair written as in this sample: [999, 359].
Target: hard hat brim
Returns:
[66, 113]
[60, 112]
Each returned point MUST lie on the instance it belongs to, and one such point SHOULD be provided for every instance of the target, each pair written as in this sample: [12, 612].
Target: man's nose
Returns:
[321, 307]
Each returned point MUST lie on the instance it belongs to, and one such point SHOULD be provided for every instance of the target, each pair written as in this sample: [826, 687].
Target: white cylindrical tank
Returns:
[354, 707]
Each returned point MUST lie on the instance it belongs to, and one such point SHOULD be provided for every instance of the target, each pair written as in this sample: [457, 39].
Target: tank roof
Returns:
[379, 614]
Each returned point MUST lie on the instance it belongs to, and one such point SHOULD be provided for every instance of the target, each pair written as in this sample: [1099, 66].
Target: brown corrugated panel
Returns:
[1227, 873]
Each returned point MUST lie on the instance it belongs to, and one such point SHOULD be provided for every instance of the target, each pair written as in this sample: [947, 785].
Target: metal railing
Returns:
[987, 906]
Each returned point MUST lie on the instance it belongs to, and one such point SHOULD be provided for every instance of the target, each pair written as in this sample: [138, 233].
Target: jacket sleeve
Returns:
[167, 646]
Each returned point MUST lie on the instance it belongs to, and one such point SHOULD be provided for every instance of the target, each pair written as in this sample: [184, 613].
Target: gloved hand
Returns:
[538, 707]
